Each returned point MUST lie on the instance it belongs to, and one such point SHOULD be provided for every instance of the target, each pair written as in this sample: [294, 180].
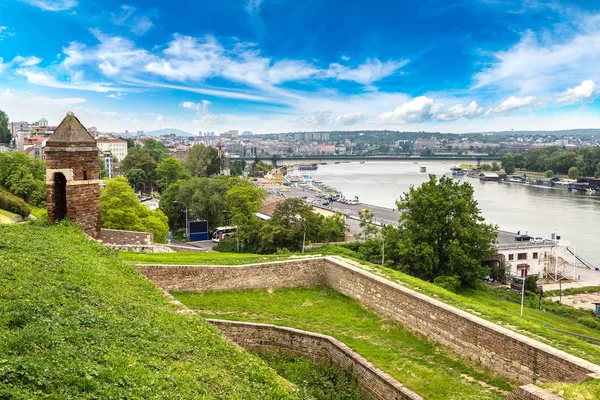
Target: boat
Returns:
[457, 171]
[362, 162]
[423, 169]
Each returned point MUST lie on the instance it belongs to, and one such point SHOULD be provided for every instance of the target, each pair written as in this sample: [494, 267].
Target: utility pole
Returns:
[186, 219]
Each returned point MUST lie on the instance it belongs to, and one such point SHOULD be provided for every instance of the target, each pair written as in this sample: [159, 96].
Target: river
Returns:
[540, 211]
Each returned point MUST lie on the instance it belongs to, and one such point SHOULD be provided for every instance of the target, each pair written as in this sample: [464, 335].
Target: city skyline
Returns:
[277, 66]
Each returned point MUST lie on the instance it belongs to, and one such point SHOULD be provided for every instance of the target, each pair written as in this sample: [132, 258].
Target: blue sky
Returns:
[287, 65]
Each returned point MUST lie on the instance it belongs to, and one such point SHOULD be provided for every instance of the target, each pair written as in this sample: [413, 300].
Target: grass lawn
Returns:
[429, 369]
[210, 258]
[78, 323]
[6, 217]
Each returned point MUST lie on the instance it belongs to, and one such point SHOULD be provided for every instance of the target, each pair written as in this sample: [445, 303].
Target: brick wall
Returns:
[531, 392]
[317, 347]
[505, 352]
[119, 237]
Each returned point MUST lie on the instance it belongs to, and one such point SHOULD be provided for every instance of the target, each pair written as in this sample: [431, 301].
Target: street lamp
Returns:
[186, 218]
[304, 237]
[383, 245]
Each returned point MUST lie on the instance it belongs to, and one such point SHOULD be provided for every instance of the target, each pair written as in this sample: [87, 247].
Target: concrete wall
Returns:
[317, 347]
[119, 237]
[505, 352]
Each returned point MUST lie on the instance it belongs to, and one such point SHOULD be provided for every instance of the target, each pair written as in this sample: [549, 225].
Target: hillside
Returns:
[76, 322]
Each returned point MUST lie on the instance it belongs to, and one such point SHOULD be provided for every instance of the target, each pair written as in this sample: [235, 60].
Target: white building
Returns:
[117, 147]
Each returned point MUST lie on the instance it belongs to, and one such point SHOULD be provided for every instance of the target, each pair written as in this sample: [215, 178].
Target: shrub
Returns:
[13, 204]
[589, 322]
[227, 245]
[451, 283]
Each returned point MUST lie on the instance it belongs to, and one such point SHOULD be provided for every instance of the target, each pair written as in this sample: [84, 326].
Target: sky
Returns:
[285, 65]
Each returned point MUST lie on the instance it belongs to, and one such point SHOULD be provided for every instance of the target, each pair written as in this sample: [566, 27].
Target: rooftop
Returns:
[71, 131]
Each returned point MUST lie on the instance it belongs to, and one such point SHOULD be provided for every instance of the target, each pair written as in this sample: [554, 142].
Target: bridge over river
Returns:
[330, 159]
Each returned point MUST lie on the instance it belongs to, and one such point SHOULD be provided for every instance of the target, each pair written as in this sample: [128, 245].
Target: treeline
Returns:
[575, 163]
[231, 201]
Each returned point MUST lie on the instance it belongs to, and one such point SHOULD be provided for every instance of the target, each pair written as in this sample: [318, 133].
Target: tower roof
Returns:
[71, 132]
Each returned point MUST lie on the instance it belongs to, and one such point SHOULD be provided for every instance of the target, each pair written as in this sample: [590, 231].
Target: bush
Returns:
[451, 283]
[531, 285]
[226, 245]
[13, 204]
[589, 322]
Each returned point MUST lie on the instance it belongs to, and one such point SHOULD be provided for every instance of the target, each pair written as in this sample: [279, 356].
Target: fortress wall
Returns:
[319, 348]
[503, 351]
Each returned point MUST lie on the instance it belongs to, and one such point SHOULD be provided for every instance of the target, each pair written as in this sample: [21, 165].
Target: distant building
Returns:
[117, 147]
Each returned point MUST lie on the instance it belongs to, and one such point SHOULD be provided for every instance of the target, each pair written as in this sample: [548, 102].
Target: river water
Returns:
[540, 211]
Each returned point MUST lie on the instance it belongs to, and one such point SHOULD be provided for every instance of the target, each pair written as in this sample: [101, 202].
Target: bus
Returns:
[222, 231]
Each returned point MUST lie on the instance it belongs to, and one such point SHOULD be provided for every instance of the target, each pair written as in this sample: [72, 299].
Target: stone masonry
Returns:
[316, 347]
[120, 237]
[503, 351]
[72, 176]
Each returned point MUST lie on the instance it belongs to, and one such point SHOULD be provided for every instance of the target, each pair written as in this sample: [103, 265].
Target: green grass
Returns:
[571, 291]
[429, 369]
[6, 217]
[78, 323]
[39, 212]
[209, 258]
[314, 380]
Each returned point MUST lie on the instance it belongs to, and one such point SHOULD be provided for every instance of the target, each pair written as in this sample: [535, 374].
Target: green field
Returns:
[429, 369]
[78, 323]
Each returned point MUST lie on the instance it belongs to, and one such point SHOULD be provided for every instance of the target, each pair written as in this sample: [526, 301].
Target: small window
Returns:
[522, 256]
[535, 256]
[511, 257]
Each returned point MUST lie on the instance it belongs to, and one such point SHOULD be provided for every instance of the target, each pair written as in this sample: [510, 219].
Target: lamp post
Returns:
[304, 237]
[523, 293]
[186, 218]
[383, 246]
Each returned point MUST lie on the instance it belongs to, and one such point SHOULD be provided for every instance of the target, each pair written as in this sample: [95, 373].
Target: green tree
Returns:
[202, 161]
[573, 173]
[121, 209]
[442, 232]
[140, 159]
[136, 178]
[495, 166]
[5, 136]
[237, 167]
[509, 167]
[23, 176]
[169, 171]
[156, 149]
[367, 225]
[549, 173]
[333, 228]
[243, 201]
[597, 173]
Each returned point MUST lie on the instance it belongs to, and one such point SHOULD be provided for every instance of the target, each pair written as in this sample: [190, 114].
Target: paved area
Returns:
[205, 245]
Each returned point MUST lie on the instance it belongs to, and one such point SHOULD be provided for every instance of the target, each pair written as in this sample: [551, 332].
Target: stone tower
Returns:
[72, 176]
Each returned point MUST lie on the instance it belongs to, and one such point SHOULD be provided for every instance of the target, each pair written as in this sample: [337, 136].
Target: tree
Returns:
[156, 149]
[24, 177]
[549, 173]
[169, 171]
[5, 136]
[509, 167]
[243, 201]
[202, 161]
[442, 232]
[121, 209]
[495, 166]
[573, 173]
[140, 159]
[368, 228]
[136, 178]
[333, 228]
[237, 167]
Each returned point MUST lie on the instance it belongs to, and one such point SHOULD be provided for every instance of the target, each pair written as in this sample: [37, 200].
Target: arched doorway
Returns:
[60, 196]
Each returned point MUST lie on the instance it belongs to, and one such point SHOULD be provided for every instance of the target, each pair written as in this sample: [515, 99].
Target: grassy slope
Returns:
[76, 322]
[429, 369]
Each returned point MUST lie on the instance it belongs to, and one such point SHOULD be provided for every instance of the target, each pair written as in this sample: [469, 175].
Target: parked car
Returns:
[537, 240]
[523, 238]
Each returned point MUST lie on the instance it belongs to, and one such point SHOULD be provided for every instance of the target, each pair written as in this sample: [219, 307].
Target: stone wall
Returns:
[119, 237]
[317, 347]
[505, 352]
[531, 392]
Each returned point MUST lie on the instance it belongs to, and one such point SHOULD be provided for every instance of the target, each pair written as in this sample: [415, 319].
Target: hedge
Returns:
[13, 204]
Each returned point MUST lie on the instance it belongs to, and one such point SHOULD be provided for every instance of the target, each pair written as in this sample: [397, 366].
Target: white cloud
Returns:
[200, 108]
[578, 94]
[26, 61]
[160, 118]
[138, 24]
[3, 32]
[116, 96]
[543, 63]
[512, 104]
[253, 6]
[418, 109]
[41, 78]
[459, 111]
[350, 118]
[371, 71]
[52, 5]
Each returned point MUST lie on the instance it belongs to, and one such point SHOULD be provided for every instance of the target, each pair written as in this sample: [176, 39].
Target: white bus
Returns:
[222, 231]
